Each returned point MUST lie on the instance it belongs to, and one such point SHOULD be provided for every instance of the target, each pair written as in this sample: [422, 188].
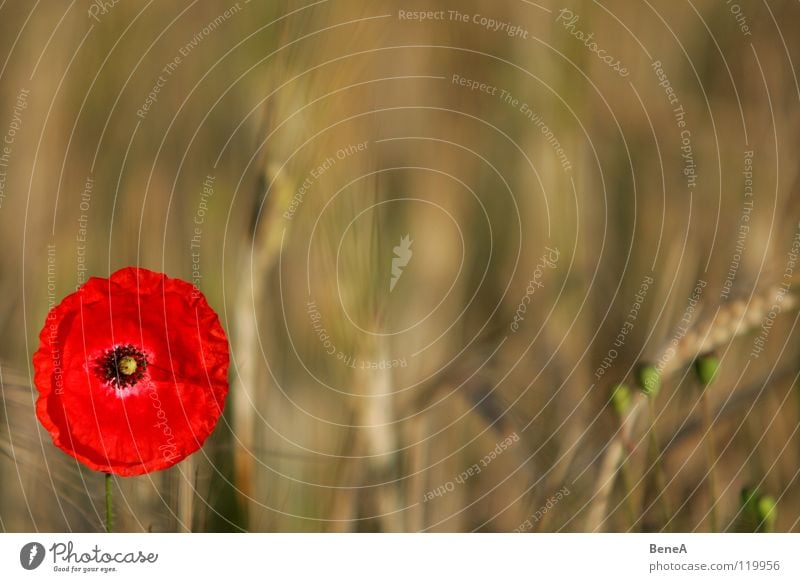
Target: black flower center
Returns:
[122, 366]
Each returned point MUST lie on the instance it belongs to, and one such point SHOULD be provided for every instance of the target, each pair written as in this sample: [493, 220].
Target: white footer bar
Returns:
[406, 557]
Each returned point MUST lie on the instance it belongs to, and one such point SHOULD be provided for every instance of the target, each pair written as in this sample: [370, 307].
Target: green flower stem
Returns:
[621, 400]
[711, 459]
[630, 511]
[109, 505]
[657, 467]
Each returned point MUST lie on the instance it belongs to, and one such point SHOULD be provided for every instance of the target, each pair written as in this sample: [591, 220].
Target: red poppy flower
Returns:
[132, 372]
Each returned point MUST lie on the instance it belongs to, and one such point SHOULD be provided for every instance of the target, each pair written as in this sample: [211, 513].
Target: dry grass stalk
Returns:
[263, 250]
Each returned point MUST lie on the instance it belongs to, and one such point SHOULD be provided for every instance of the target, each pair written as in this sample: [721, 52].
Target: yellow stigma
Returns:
[127, 365]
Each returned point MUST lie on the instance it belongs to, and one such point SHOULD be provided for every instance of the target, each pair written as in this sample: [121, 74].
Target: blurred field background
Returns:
[426, 380]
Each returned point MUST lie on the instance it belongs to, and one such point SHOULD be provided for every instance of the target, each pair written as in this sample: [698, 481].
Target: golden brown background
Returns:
[264, 93]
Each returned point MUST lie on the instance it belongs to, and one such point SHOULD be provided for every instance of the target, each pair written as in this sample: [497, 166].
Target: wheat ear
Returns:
[733, 319]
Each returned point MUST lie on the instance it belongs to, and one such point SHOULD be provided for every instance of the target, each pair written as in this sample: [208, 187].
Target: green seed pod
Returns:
[748, 498]
[648, 379]
[767, 510]
[706, 367]
[621, 399]
[748, 514]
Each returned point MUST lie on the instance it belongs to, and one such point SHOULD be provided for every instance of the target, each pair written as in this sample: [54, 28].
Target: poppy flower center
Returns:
[127, 365]
[122, 366]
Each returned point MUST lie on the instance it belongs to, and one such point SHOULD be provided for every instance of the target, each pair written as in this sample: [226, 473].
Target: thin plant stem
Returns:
[657, 467]
[626, 486]
[609, 467]
[109, 505]
[711, 459]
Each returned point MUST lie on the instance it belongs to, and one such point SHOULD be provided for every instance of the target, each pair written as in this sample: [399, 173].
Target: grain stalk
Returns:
[265, 246]
[609, 466]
